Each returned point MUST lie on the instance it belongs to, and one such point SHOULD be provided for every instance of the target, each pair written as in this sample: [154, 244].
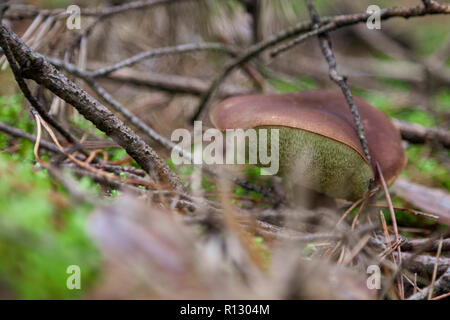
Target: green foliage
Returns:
[429, 37]
[242, 192]
[116, 154]
[259, 245]
[308, 250]
[383, 56]
[186, 171]
[379, 101]
[171, 165]
[397, 84]
[41, 234]
[382, 103]
[416, 116]
[252, 174]
[55, 4]
[301, 83]
[422, 166]
[207, 185]
[87, 184]
[86, 125]
[12, 113]
[406, 219]
[443, 100]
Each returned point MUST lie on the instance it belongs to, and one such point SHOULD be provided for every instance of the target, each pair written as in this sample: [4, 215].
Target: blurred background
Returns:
[402, 69]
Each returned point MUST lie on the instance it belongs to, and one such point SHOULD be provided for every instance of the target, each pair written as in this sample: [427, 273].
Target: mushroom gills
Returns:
[321, 164]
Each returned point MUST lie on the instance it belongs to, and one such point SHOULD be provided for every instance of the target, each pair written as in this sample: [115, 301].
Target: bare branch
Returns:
[21, 134]
[169, 83]
[416, 133]
[169, 145]
[441, 286]
[129, 116]
[325, 46]
[29, 12]
[36, 67]
[333, 23]
[33, 101]
[183, 48]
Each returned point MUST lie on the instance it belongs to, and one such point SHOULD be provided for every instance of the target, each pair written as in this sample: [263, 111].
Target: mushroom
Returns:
[319, 148]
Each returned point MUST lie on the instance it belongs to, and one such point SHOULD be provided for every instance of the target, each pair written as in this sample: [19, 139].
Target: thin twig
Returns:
[433, 279]
[38, 138]
[442, 296]
[353, 206]
[394, 223]
[24, 135]
[130, 116]
[164, 142]
[169, 82]
[302, 38]
[441, 286]
[417, 133]
[338, 22]
[33, 101]
[183, 48]
[361, 208]
[413, 244]
[325, 45]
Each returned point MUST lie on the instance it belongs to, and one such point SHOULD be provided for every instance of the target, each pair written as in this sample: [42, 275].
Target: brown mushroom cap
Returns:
[322, 112]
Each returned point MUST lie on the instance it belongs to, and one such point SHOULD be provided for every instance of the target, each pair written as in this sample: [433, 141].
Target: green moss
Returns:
[429, 37]
[416, 116]
[41, 234]
[423, 168]
[308, 250]
[87, 126]
[301, 83]
[207, 185]
[259, 246]
[12, 113]
[443, 100]
[409, 114]
[398, 84]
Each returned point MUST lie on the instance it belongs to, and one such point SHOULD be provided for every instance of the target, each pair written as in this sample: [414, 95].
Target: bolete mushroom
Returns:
[318, 143]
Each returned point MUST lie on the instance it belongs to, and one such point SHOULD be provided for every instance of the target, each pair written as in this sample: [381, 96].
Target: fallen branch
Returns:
[441, 286]
[413, 261]
[415, 133]
[169, 83]
[37, 68]
[421, 263]
[413, 244]
[325, 46]
[35, 103]
[21, 134]
[49, 146]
